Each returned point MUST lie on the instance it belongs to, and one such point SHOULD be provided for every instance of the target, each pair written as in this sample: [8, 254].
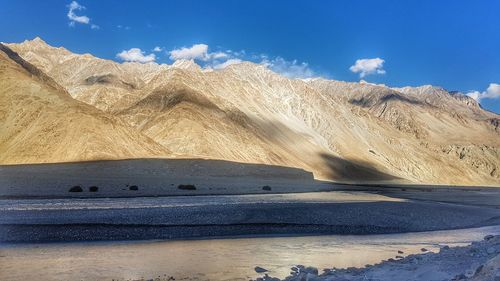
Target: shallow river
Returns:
[214, 259]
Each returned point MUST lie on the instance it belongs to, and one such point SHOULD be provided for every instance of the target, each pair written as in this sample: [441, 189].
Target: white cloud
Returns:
[197, 51]
[214, 60]
[123, 27]
[224, 58]
[74, 18]
[226, 63]
[157, 49]
[290, 69]
[74, 6]
[475, 95]
[136, 55]
[368, 66]
[218, 55]
[493, 92]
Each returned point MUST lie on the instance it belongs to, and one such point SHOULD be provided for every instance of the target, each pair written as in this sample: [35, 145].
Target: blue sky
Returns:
[453, 44]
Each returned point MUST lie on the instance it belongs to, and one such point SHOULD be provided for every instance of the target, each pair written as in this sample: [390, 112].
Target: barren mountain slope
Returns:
[40, 122]
[87, 78]
[245, 112]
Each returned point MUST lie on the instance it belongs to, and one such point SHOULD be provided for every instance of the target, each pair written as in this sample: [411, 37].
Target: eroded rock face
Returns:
[352, 132]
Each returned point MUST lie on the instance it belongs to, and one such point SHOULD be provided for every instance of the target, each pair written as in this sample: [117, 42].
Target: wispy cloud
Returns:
[226, 63]
[368, 66]
[291, 69]
[492, 92]
[136, 55]
[197, 51]
[74, 18]
[223, 58]
[158, 49]
[123, 27]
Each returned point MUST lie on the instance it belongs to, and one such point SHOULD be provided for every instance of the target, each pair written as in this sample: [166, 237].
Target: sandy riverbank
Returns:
[479, 261]
[231, 259]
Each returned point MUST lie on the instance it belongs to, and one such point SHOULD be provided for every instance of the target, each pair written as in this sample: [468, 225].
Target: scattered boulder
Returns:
[445, 248]
[133, 187]
[310, 270]
[259, 269]
[76, 188]
[488, 237]
[424, 250]
[459, 277]
[93, 188]
[491, 250]
[186, 187]
[266, 188]
[400, 252]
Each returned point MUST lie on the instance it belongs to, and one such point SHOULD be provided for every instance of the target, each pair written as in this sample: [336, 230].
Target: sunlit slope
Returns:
[355, 132]
[40, 122]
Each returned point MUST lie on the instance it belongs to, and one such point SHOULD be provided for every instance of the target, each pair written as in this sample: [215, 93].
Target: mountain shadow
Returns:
[353, 170]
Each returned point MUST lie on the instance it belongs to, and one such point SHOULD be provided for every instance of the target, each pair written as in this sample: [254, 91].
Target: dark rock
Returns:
[259, 269]
[186, 187]
[311, 270]
[490, 250]
[133, 187]
[399, 257]
[266, 187]
[76, 188]
[424, 250]
[93, 189]
[400, 252]
[488, 237]
[478, 269]
[460, 277]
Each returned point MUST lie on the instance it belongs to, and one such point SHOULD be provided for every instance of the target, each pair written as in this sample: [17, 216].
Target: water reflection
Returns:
[224, 259]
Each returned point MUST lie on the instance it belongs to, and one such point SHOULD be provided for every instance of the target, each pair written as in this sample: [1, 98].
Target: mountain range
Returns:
[58, 106]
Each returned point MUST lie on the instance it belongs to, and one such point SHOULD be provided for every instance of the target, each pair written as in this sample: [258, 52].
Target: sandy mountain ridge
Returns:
[342, 131]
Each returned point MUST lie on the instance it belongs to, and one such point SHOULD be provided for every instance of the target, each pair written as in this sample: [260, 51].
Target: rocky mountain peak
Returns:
[186, 64]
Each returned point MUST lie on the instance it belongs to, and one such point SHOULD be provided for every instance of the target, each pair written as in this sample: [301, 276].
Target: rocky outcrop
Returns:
[479, 261]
